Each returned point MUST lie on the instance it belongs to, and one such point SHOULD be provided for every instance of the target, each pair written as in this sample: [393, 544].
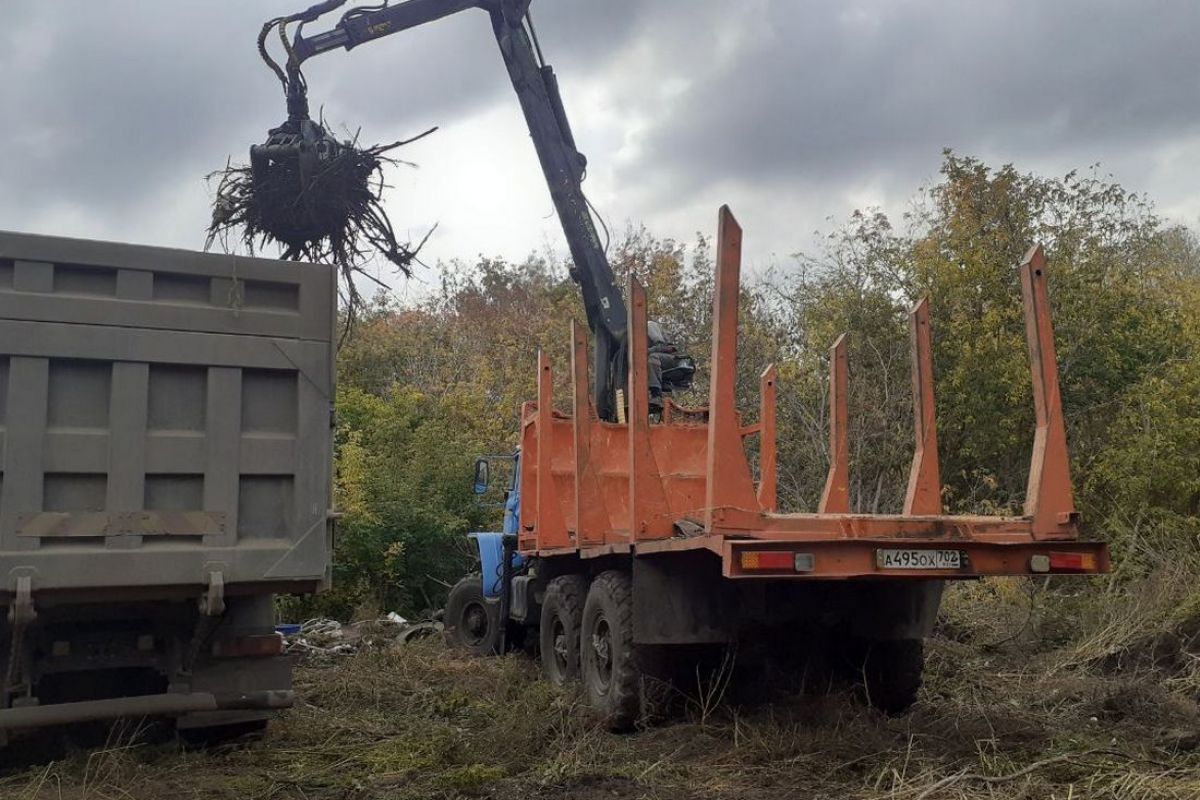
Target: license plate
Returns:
[918, 559]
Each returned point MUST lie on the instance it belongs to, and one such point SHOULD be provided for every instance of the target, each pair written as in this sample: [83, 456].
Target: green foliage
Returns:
[1146, 483]
[1111, 322]
[404, 461]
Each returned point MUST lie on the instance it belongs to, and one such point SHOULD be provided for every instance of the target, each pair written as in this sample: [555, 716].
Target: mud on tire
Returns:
[612, 679]
[562, 618]
[472, 622]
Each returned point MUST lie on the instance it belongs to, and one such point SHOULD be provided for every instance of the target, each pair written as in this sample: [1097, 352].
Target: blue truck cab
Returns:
[479, 606]
[491, 543]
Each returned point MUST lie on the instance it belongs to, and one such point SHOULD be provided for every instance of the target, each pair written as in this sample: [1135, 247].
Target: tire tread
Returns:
[471, 586]
[568, 592]
[622, 705]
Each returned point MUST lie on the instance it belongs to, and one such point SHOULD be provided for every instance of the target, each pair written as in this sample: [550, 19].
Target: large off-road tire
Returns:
[562, 618]
[612, 679]
[890, 671]
[472, 622]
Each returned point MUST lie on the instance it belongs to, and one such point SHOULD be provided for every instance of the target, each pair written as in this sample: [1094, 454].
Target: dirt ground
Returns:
[1030, 693]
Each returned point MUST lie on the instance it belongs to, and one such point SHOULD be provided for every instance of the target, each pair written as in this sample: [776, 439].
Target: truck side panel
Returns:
[164, 415]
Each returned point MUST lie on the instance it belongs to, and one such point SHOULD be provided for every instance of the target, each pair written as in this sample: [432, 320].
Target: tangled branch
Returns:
[332, 216]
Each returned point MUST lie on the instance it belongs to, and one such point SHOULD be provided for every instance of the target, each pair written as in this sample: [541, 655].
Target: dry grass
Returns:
[1003, 716]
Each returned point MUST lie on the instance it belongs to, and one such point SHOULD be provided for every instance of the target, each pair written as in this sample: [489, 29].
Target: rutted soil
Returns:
[1014, 720]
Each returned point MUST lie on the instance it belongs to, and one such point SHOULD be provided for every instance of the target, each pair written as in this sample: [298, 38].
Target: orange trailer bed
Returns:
[683, 482]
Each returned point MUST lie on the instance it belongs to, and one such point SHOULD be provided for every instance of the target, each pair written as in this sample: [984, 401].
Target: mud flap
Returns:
[681, 598]
[267, 676]
[890, 610]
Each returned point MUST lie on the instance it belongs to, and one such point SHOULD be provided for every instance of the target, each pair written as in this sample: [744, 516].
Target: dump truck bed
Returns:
[165, 418]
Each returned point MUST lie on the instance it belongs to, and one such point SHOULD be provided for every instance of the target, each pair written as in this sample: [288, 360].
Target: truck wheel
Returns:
[562, 617]
[891, 671]
[611, 677]
[472, 622]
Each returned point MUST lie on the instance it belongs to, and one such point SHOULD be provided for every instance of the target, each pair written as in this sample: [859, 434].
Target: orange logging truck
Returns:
[633, 546]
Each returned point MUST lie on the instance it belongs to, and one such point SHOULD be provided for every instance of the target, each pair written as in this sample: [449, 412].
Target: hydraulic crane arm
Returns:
[562, 163]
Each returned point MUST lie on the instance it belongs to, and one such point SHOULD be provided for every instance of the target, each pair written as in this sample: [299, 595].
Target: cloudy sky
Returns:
[791, 112]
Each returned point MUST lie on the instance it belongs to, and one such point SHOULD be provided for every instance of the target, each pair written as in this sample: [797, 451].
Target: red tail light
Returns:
[776, 560]
[1072, 562]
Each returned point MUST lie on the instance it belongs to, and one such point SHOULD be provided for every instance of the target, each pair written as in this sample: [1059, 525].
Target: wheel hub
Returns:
[602, 647]
[475, 623]
[560, 645]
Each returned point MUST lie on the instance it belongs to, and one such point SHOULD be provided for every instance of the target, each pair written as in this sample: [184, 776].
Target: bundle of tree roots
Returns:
[325, 210]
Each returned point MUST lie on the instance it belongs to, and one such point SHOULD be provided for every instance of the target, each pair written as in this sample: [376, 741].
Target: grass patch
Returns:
[1005, 714]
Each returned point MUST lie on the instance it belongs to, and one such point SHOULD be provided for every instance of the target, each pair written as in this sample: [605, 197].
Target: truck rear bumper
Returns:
[859, 558]
[880, 558]
[170, 704]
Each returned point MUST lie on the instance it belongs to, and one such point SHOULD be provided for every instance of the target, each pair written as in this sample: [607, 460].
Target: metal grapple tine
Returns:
[924, 495]
[836, 497]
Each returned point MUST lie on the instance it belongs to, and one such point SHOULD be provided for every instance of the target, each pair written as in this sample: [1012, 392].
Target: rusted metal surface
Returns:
[649, 514]
[728, 474]
[590, 519]
[836, 497]
[767, 470]
[551, 529]
[1049, 499]
[683, 482]
[60, 524]
[924, 495]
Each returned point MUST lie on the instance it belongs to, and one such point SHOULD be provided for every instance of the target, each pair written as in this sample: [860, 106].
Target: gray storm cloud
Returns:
[828, 88]
[111, 107]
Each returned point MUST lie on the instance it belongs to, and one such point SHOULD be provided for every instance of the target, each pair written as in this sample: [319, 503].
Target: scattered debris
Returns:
[323, 638]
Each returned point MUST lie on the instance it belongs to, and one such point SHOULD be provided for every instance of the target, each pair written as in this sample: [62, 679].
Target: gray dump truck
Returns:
[165, 420]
